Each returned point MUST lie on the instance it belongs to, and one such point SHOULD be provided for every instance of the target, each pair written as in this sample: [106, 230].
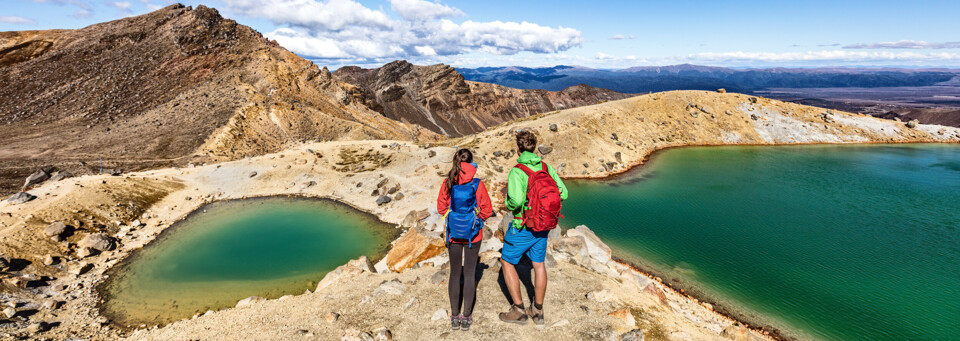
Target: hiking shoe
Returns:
[455, 322]
[515, 315]
[465, 322]
[535, 314]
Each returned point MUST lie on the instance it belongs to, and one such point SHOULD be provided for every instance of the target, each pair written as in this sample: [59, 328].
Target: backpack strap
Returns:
[525, 169]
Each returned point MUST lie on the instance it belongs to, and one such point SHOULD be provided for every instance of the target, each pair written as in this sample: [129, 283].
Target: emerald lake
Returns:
[226, 251]
[857, 242]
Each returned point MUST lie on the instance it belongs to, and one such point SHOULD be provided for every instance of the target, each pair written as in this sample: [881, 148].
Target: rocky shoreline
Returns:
[132, 209]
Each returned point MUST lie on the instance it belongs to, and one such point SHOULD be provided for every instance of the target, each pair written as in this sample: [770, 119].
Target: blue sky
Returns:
[602, 34]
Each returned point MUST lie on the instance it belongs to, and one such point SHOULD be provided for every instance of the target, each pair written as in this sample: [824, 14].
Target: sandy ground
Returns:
[583, 145]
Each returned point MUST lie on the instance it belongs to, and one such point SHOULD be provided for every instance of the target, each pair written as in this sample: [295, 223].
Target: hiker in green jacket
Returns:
[527, 234]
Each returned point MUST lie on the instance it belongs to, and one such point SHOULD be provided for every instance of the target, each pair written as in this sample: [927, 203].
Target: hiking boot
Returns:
[465, 322]
[455, 322]
[515, 315]
[535, 314]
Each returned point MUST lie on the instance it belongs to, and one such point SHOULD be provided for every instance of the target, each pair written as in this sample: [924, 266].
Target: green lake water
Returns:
[227, 251]
[821, 242]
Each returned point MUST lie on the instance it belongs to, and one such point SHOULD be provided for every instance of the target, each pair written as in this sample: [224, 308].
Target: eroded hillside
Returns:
[438, 98]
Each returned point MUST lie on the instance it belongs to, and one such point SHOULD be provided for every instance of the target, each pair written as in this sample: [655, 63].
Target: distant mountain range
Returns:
[697, 77]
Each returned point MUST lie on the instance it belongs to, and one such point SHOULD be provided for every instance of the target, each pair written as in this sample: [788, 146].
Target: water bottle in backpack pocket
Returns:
[462, 220]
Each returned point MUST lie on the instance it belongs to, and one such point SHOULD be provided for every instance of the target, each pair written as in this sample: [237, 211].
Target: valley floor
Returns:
[586, 285]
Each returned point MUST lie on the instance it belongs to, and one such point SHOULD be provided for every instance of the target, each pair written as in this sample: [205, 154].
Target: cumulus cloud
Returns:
[347, 30]
[621, 37]
[123, 6]
[906, 44]
[421, 10]
[15, 20]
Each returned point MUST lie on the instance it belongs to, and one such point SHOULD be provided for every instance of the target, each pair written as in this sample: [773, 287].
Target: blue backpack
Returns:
[462, 220]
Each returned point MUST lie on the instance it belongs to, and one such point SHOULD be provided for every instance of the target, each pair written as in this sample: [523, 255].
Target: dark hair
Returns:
[526, 141]
[462, 155]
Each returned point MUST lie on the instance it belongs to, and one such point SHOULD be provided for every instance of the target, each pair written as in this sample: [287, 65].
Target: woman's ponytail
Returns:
[453, 177]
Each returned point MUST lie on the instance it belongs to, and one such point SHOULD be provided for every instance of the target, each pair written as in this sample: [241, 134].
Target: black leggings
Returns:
[463, 263]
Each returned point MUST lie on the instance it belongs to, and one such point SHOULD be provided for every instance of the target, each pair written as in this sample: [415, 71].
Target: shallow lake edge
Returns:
[113, 273]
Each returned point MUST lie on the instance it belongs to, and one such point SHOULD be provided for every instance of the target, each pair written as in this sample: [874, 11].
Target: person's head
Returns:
[526, 141]
[462, 155]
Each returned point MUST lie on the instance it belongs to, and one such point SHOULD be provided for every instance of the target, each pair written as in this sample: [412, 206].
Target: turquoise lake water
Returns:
[821, 242]
[227, 251]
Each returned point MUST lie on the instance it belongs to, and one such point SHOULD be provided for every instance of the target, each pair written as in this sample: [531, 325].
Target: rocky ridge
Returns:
[438, 98]
[593, 141]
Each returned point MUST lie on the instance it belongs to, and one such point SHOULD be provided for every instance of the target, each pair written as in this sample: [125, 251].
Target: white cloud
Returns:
[906, 44]
[346, 30]
[621, 37]
[327, 15]
[421, 10]
[17, 20]
[79, 3]
[120, 5]
[82, 14]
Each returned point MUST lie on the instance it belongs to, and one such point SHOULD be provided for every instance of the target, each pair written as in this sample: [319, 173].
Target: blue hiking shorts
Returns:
[517, 242]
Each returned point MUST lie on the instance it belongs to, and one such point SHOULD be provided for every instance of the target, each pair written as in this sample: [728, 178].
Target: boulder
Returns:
[35, 178]
[415, 218]
[250, 300]
[595, 247]
[634, 280]
[414, 246]
[20, 198]
[544, 149]
[722, 91]
[99, 242]
[61, 175]
[56, 230]
[912, 124]
[383, 199]
[633, 335]
[352, 268]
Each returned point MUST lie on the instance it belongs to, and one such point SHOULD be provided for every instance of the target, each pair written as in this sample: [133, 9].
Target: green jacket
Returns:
[517, 185]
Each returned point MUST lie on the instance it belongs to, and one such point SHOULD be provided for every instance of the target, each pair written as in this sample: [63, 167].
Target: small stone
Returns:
[82, 269]
[393, 287]
[722, 90]
[250, 300]
[544, 150]
[308, 184]
[694, 114]
[728, 112]
[413, 301]
[553, 127]
[912, 124]
[252, 174]
[614, 137]
[383, 199]
[331, 317]
[624, 315]
[51, 304]
[98, 241]
[136, 223]
[633, 335]
[382, 334]
[618, 156]
[753, 99]
[754, 117]
[49, 260]
[9, 312]
[560, 323]
[398, 196]
[85, 252]
[440, 314]
[56, 229]
[440, 276]
[38, 327]
[431, 153]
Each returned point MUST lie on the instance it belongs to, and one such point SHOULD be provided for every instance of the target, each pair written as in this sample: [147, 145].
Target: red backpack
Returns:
[543, 200]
